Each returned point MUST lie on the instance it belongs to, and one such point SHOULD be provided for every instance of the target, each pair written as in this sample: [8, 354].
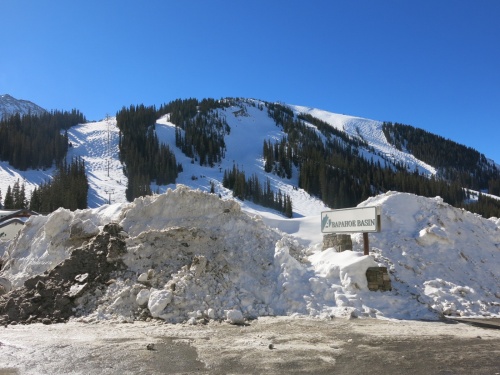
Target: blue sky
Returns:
[433, 64]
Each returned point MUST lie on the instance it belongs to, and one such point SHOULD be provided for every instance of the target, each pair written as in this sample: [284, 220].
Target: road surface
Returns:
[278, 345]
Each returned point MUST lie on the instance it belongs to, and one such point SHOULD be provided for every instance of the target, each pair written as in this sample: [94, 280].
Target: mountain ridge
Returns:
[10, 106]
[250, 125]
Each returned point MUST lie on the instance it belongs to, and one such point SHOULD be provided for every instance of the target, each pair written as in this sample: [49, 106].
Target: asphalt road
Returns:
[280, 345]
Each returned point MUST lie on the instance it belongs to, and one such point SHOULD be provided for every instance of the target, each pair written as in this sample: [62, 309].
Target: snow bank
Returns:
[446, 258]
[45, 241]
[191, 257]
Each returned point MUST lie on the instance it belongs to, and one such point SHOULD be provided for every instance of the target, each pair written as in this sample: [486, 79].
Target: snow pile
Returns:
[197, 256]
[45, 241]
[447, 258]
[190, 256]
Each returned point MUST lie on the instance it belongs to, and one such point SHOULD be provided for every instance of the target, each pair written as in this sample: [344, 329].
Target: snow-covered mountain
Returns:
[97, 143]
[192, 256]
[10, 106]
[250, 125]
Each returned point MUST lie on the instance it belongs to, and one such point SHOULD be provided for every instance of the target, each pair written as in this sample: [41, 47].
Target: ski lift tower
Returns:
[109, 191]
[108, 159]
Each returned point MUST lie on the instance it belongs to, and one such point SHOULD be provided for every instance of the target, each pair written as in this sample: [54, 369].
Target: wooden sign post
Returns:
[352, 220]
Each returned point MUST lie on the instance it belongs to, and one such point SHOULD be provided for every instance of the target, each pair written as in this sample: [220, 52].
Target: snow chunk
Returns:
[83, 229]
[142, 297]
[234, 317]
[347, 268]
[158, 300]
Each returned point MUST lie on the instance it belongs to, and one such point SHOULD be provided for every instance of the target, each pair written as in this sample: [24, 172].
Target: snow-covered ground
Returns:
[371, 132]
[191, 255]
[223, 259]
[97, 144]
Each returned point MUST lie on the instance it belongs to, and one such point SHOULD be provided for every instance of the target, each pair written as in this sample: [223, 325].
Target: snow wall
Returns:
[191, 257]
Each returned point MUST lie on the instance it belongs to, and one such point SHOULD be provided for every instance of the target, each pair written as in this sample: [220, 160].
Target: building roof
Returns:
[20, 220]
[18, 213]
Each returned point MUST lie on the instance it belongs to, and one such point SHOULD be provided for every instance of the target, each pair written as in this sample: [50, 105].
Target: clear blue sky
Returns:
[433, 64]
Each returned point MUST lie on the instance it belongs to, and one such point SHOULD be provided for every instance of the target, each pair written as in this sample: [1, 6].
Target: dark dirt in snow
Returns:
[50, 298]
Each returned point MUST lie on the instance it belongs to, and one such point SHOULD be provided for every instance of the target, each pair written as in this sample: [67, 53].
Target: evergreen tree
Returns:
[9, 199]
[68, 188]
[288, 211]
[31, 141]
[144, 158]
[200, 130]
[16, 193]
[252, 189]
[455, 162]
[35, 201]
[19, 196]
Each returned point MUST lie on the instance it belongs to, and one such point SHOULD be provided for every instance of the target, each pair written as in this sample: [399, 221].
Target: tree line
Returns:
[332, 168]
[68, 188]
[454, 162]
[252, 189]
[200, 130]
[36, 141]
[144, 158]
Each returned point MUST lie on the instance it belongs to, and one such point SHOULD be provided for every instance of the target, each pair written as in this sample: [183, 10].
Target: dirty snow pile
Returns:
[190, 256]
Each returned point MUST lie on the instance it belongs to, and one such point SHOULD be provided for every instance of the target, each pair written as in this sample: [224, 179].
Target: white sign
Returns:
[351, 220]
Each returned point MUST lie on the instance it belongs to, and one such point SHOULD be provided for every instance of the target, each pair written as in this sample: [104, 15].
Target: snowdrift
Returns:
[189, 257]
[445, 257]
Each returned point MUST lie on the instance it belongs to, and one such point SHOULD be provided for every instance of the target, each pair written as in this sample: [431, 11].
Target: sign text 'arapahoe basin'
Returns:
[351, 220]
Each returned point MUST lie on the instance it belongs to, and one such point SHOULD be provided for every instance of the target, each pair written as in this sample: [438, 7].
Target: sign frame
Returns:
[351, 220]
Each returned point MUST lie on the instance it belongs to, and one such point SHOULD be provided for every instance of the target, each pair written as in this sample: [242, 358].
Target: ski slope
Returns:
[97, 144]
[371, 132]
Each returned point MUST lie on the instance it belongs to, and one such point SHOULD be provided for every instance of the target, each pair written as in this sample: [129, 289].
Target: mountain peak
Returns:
[10, 106]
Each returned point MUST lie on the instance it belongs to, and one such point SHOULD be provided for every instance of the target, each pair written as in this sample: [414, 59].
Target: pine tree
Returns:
[35, 203]
[21, 201]
[68, 188]
[288, 207]
[16, 195]
[9, 199]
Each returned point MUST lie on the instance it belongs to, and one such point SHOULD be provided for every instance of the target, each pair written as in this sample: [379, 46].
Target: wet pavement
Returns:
[493, 323]
[280, 345]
